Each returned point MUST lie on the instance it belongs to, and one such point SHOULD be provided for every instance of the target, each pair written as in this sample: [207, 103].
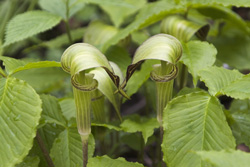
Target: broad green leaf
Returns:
[149, 14]
[29, 162]
[227, 82]
[194, 122]
[139, 37]
[119, 13]
[140, 124]
[232, 42]
[11, 64]
[68, 108]
[67, 148]
[51, 111]
[216, 78]
[43, 80]
[20, 109]
[110, 2]
[240, 112]
[184, 29]
[28, 24]
[105, 161]
[62, 7]
[15, 65]
[238, 89]
[198, 55]
[228, 158]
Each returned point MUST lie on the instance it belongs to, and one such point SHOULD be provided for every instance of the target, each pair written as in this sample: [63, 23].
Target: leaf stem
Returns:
[142, 149]
[44, 150]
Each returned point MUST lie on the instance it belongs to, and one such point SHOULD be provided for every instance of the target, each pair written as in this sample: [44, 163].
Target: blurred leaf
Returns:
[28, 24]
[109, 126]
[20, 111]
[119, 13]
[67, 148]
[105, 161]
[62, 7]
[29, 162]
[219, 12]
[198, 55]
[228, 158]
[139, 37]
[51, 111]
[120, 56]
[149, 14]
[98, 33]
[231, 43]
[62, 40]
[240, 111]
[68, 108]
[140, 124]
[43, 79]
[194, 122]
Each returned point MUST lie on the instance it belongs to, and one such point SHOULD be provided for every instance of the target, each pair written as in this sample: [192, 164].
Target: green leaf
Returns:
[43, 80]
[228, 158]
[190, 3]
[187, 90]
[105, 161]
[68, 108]
[109, 126]
[216, 78]
[119, 13]
[240, 112]
[198, 55]
[20, 109]
[149, 14]
[139, 77]
[120, 56]
[51, 111]
[140, 124]
[62, 7]
[227, 82]
[15, 65]
[230, 43]
[28, 24]
[67, 148]
[194, 122]
[29, 162]
[219, 12]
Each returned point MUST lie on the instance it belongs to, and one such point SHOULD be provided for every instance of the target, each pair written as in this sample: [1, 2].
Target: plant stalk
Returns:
[85, 149]
[44, 150]
[67, 22]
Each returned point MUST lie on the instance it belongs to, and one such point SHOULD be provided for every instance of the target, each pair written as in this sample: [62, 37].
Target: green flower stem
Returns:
[164, 95]
[83, 118]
